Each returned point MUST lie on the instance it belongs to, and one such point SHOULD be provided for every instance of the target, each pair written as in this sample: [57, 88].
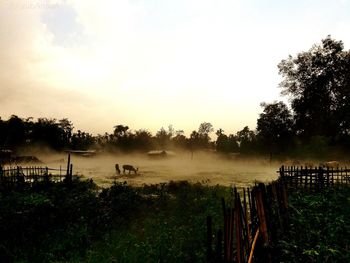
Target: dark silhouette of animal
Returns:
[117, 168]
[128, 167]
[330, 165]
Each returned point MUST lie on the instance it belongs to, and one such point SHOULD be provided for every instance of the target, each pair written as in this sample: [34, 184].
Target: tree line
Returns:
[315, 122]
[18, 133]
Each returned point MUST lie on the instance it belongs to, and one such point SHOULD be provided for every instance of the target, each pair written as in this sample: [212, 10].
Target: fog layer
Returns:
[201, 167]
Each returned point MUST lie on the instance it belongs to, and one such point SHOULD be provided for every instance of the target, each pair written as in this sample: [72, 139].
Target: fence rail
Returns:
[313, 178]
[258, 217]
[253, 222]
[33, 174]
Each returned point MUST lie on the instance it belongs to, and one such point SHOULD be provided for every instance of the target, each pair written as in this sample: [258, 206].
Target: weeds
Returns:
[319, 227]
[60, 222]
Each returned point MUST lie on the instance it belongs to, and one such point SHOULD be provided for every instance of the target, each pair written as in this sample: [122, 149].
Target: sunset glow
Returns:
[148, 64]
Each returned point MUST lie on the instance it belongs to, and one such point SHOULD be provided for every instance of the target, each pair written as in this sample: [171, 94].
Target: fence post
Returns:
[320, 177]
[282, 173]
[68, 174]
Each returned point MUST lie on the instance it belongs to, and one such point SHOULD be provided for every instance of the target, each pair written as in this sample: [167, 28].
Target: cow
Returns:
[117, 168]
[289, 163]
[128, 167]
[330, 165]
[309, 164]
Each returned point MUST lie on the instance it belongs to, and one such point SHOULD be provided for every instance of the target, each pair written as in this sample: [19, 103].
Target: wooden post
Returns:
[71, 171]
[68, 174]
[239, 228]
[251, 254]
[320, 178]
[282, 173]
[262, 216]
[246, 215]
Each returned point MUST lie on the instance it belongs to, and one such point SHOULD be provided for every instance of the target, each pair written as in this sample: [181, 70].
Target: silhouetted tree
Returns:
[82, 140]
[318, 83]
[247, 140]
[120, 130]
[15, 133]
[143, 140]
[3, 133]
[205, 128]
[47, 131]
[275, 127]
[180, 139]
[163, 137]
[226, 143]
[221, 141]
[67, 127]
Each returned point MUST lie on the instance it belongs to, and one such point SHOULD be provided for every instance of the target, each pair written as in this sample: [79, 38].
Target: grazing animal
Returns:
[291, 163]
[117, 168]
[331, 164]
[309, 164]
[128, 167]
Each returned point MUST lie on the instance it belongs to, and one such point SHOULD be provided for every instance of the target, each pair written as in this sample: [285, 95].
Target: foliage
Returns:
[46, 222]
[275, 126]
[247, 140]
[318, 83]
[319, 228]
[226, 144]
[171, 228]
[60, 222]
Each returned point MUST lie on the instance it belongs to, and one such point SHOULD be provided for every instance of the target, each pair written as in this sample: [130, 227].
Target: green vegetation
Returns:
[319, 227]
[60, 222]
[78, 222]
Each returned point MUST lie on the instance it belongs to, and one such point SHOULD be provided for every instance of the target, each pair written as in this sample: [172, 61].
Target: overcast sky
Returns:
[148, 64]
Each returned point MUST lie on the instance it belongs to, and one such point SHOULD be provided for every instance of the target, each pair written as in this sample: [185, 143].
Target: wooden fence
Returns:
[258, 217]
[33, 174]
[252, 225]
[313, 178]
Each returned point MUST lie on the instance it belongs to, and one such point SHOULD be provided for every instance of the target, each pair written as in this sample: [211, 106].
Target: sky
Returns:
[153, 63]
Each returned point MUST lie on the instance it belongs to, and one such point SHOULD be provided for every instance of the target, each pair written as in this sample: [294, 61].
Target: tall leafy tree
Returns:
[247, 140]
[15, 132]
[318, 83]
[163, 136]
[205, 128]
[275, 127]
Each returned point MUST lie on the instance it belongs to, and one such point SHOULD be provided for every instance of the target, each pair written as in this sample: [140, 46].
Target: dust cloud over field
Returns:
[203, 168]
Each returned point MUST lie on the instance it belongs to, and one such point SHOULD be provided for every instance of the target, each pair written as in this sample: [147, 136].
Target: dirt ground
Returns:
[201, 167]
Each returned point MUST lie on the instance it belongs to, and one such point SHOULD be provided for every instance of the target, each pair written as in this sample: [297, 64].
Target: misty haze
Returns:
[207, 168]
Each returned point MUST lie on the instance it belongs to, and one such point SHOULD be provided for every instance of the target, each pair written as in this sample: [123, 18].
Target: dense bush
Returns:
[319, 227]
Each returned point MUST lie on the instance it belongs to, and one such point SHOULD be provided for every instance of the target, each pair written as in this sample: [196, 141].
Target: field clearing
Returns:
[204, 168]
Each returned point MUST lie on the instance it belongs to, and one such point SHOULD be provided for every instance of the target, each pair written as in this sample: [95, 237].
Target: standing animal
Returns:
[309, 164]
[128, 167]
[117, 168]
[331, 164]
[288, 163]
